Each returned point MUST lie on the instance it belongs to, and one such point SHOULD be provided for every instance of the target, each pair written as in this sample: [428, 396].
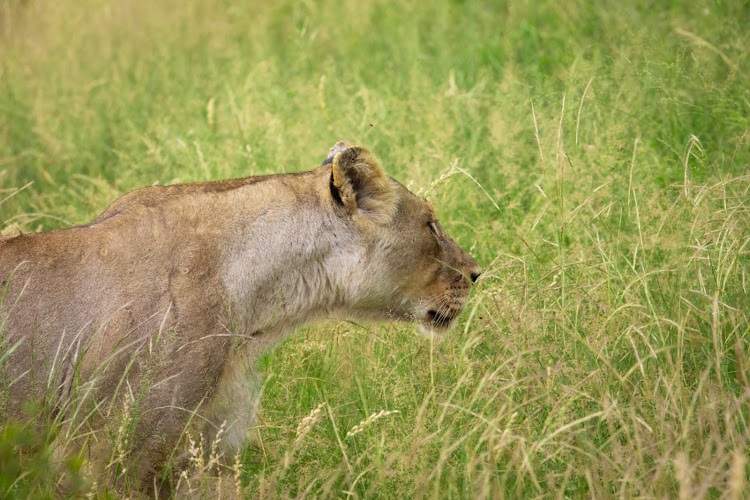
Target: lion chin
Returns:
[437, 323]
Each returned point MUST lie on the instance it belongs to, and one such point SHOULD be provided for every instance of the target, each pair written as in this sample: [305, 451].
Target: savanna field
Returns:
[593, 158]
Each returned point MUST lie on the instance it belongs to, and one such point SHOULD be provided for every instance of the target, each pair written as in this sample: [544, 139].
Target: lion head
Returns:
[407, 266]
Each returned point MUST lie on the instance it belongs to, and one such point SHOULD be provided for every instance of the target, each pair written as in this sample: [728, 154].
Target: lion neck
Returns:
[277, 272]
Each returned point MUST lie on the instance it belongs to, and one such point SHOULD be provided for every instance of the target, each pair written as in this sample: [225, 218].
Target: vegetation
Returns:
[592, 157]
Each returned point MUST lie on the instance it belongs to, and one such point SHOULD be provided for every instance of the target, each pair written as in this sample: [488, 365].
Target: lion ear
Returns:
[360, 184]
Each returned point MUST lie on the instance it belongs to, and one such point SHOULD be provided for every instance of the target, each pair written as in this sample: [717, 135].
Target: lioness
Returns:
[164, 303]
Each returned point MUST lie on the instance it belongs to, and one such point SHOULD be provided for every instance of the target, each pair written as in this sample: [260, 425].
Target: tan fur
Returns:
[166, 301]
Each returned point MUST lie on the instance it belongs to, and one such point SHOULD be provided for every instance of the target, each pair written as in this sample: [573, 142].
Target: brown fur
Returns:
[165, 301]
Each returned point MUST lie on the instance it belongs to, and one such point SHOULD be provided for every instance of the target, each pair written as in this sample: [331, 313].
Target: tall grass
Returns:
[592, 157]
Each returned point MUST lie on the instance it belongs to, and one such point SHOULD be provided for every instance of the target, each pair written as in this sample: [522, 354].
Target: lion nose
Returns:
[474, 276]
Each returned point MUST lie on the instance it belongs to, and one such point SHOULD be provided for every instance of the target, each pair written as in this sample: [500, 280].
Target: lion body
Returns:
[165, 302]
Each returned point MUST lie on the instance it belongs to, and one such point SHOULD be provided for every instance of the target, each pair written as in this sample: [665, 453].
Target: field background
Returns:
[592, 157]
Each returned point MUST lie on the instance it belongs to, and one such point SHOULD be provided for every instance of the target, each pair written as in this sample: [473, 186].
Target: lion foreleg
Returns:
[234, 408]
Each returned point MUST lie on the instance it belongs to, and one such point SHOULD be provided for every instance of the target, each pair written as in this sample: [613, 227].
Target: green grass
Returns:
[593, 158]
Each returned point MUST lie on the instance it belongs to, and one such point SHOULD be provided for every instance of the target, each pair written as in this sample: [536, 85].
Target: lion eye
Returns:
[433, 227]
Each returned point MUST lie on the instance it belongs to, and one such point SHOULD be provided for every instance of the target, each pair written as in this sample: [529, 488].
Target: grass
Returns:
[592, 157]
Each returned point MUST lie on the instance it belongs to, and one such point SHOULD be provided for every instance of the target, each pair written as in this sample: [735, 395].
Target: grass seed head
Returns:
[308, 422]
[369, 420]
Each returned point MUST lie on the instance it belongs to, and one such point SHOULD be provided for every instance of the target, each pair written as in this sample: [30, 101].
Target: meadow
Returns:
[592, 157]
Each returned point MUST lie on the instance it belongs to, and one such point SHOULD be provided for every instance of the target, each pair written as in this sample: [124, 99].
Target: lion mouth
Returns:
[440, 320]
